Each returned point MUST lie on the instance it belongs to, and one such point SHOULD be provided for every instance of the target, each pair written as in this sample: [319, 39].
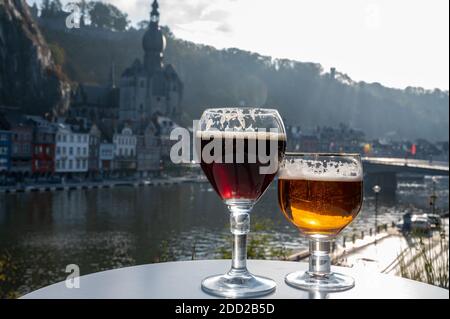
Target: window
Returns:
[120, 152]
[70, 151]
[70, 164]
[84, 164]
[58, 164]
[64, 138]
[58, 150]
[79, 138]
[84, 151]
[78, 150]
[48, 150]
[71, 138]
[85, 138]
[78, 164]
[63, 164]
[64, 150]
[36, 164]
[3, 150]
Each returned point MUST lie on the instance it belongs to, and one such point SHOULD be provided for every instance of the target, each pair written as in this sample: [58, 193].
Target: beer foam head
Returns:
[332, 171]
[257, 135]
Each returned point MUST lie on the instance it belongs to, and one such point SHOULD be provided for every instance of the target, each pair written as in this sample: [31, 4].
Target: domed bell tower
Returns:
[154, 42]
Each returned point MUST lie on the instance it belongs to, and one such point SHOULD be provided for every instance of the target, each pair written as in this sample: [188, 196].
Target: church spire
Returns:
[153, 42]
[154, 14]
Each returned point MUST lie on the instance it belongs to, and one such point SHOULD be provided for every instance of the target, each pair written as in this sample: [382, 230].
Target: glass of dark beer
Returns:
[240, 150]
[320, 194]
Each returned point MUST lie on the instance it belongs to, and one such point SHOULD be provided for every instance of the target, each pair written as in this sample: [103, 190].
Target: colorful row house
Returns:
[125, 150]
[43, 146]
[72, 149]
[31, 146]
[106, 157]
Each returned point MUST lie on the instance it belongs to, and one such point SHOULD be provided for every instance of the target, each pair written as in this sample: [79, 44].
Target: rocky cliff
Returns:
[29, 78]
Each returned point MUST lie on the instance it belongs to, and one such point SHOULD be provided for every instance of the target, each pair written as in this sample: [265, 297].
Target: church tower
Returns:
[154, 42]
[150, 88]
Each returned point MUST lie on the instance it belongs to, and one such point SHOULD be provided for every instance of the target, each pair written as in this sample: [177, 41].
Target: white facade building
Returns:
[72, 150]
[125, 149]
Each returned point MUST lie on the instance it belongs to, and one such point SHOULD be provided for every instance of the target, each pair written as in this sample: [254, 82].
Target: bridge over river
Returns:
[383, 171]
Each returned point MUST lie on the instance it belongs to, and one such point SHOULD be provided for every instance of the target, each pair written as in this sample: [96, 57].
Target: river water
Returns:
[41, 233]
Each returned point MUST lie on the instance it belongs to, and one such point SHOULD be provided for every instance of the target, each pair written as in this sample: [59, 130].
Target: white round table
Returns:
[181, 280]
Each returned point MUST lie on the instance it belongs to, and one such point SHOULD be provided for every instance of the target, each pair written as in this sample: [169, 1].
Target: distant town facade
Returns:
[118, 129]
[123, 128]
[346, 139]
[33, 146]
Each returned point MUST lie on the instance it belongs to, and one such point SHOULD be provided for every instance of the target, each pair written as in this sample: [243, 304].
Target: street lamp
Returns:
[433, 196]
[376, 189]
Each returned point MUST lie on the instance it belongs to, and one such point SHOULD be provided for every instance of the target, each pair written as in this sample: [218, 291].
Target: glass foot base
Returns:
[238, 285]
[333, 282]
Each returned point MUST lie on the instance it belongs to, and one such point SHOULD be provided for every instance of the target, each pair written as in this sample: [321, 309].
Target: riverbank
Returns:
[350, 244]
[415, 257]
[97, 185]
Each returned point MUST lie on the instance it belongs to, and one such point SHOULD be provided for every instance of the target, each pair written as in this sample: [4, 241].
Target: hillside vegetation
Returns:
[304, 93]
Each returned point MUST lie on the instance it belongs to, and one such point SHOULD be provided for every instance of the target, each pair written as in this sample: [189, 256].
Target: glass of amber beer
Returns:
[320, 194]
[240, 150]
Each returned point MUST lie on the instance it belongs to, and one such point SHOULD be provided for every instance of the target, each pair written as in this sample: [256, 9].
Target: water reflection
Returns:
[108, 228]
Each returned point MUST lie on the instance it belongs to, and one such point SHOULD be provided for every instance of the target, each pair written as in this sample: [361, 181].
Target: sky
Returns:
[397, 43]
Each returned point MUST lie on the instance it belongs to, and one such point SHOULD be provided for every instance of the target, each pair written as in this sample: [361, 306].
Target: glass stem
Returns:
[240, 227]
[319, 259]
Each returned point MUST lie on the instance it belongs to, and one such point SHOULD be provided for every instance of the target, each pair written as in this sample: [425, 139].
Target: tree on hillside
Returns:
[45, 8]
[56, 6]
[51, 8]
[107, 16]
[143, 25]
[83, 10]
